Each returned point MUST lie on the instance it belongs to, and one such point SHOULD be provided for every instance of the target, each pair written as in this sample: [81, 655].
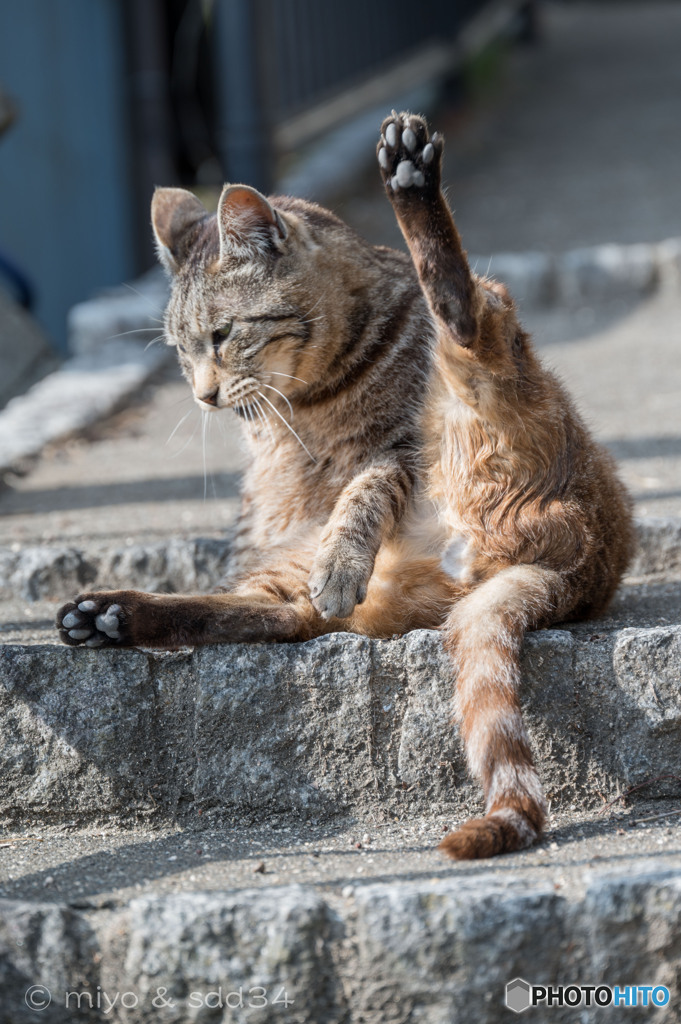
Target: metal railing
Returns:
[279, 61]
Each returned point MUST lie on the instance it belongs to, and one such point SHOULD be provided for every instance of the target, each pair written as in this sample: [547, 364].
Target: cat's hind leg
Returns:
[410, 160]
[271, 605]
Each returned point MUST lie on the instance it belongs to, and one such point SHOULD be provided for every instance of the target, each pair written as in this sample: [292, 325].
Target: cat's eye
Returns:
[223, 332]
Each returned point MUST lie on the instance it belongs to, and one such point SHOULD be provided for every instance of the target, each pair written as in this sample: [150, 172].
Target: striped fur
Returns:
[410, 462]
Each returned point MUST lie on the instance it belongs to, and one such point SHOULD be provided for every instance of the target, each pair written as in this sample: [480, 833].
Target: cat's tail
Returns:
[484, 634]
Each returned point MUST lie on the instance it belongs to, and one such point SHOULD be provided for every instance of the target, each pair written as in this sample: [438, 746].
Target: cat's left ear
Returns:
[249, 226]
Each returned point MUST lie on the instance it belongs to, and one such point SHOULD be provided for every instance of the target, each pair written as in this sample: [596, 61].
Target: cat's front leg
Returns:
[340, 577]
[368, 510]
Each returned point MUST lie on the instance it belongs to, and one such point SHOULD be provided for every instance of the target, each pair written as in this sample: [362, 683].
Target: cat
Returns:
[411, 462]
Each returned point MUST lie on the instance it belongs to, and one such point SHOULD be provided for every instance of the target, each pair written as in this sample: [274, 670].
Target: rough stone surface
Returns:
[659, 546]
[606, 272]
[131, 310]
[259, 946]
[434, 951]
[45, 950]
[173, 566]
[84, 390]
[592, 275]
[25, 353]
[218, 729]
[36, 572]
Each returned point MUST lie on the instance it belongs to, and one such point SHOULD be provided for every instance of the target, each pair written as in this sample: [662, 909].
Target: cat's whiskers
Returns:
[146, 298]
[277, 373]
[189, 440]
[312, 307]
[178, 425]
[204, 427]
[137, 330]
[288, 426]
[265, 421]
[272, 388]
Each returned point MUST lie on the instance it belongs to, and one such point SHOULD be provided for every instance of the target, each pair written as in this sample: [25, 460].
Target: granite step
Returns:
[35, 572]
[341, 727]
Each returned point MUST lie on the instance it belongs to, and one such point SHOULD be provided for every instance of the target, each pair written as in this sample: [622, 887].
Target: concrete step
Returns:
[339, 727]
[41, 571]
[438, 945]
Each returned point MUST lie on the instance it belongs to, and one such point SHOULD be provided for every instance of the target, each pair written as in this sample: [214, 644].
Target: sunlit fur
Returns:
[410, 463]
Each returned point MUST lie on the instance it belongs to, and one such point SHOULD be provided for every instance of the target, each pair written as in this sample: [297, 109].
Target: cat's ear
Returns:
[249, 226]
[174, 212]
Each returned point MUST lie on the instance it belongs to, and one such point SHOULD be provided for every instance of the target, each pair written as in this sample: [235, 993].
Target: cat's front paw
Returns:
[93, 620]
[337, 583]
[408, 157]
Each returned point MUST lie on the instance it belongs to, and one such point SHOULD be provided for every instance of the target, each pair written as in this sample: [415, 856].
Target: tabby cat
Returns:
[411, 463]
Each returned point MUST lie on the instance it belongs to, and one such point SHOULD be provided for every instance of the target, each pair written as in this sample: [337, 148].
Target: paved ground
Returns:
[96, 866]
[578, 144]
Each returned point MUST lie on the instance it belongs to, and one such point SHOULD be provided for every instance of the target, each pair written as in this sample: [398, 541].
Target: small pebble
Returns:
[259, 868]
[347, 892]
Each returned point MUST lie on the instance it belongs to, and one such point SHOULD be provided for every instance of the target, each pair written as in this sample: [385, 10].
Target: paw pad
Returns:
[408, 158]
[91, 623]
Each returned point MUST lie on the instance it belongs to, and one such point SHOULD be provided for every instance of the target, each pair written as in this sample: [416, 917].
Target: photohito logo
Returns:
[520, 995]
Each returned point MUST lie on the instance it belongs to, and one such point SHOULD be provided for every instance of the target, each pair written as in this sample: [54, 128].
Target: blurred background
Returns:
[103, 99]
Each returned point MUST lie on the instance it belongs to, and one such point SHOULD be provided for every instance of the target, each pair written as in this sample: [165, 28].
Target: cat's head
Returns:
[245, 297]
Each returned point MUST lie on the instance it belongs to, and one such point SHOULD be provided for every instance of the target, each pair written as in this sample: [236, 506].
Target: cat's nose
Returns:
[209, 397]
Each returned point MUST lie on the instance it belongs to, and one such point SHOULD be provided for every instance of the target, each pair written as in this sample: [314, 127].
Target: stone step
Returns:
[57, 572]
[339, 727]
[435, 950]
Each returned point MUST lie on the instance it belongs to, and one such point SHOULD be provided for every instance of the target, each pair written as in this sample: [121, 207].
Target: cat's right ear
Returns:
[174, 212]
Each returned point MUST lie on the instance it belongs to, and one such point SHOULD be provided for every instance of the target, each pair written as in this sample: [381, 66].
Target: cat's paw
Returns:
[409, 158]
[93, 620]
[337, 583]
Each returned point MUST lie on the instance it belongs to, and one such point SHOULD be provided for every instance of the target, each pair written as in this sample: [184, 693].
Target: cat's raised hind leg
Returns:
[410, 160]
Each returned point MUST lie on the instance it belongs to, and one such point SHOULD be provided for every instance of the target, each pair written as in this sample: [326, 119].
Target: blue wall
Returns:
[64, 183]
